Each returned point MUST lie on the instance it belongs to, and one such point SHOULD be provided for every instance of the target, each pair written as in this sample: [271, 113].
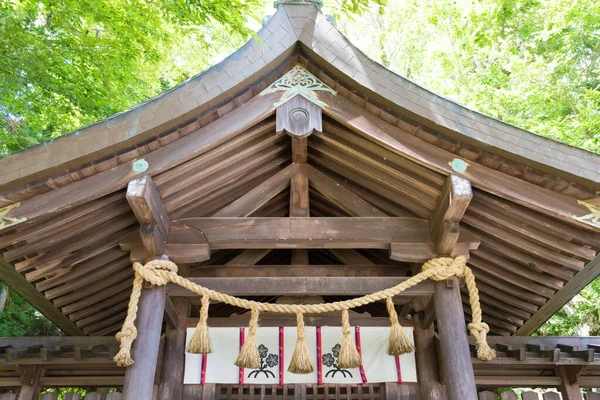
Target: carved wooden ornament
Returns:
[299, 117]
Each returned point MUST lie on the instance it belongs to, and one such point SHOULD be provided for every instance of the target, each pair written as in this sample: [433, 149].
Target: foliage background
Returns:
[532, 63]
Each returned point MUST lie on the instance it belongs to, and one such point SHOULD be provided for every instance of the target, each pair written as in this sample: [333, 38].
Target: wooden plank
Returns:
[451, 206]
[533, 196]
[530, 396]
[551, 396]
[139, 378]
[299, 117]
[26, 290]
[508, 396]
[190, 146]
[342, 197]
[350, 257]
[308, 286]
[562, 297]
[486, 395]
[260, 195]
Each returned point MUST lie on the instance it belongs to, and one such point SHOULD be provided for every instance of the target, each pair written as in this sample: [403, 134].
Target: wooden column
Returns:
[428, 374]
[171, 381]
[147, 206]
[456, 357]
[569, 377]
[454, 345]
[30, 380]
[139, 378]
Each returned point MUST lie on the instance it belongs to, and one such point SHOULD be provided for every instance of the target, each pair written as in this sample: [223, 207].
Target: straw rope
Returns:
[161, 272]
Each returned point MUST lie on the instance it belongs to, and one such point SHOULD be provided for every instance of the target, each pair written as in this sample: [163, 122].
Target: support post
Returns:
[430, 386]
[171, 381]
[454, 345]
[30, 380]
[139, 378]
[569, 381]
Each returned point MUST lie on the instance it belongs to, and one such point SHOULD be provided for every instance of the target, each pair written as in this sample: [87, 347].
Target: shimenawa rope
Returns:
[161, 272]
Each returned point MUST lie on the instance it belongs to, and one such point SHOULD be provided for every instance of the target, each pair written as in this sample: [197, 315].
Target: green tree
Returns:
[534, 64]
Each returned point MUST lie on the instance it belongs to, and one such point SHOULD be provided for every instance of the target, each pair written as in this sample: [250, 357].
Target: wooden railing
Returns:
[486, 395]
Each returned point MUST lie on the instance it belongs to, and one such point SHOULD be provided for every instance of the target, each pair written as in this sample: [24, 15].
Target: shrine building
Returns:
[299, 222]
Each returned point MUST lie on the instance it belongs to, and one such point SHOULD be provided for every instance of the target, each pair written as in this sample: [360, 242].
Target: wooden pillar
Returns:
[456, 357]
[569, 381]
[30, 380]
[428, 374]
[139, 378]
[171, 380]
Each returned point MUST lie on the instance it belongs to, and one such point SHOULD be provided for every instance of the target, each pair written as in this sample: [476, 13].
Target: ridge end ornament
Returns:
[593, 218]
[298, 81]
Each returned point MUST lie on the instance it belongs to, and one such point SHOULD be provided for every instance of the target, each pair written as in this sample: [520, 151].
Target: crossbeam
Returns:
[305, 286]
[409, 239]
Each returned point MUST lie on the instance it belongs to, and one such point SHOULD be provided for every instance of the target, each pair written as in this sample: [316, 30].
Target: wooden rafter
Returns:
[533, 196]
[192, 145]
[26, 290]
[562, 297]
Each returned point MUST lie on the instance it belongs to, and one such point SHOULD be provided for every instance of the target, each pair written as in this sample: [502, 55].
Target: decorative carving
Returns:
[298, 81]
[5, 221]
[593, 218]
[299, 117]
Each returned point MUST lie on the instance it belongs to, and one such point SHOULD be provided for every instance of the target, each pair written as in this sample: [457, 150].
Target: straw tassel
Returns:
[301, 362]
[349, 356]
[248, 357]
[200, 342]
[399, 343]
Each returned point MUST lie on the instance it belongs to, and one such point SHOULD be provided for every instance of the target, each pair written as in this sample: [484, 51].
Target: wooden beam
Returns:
[408, 238]
[427, 362]
[186, 244]
[260, 195]
[569, 381]
[248, 257]
[147, 206]
[277, 319]
[496, 182]
[340, 196]
[306, 286]
[166, 157]
[350, 256]
[562, 297]
[26, 290]
[329, 270]
[452, 204]
[299, 207]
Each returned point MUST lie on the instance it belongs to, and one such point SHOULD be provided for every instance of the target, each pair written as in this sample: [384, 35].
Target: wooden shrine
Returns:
[298, 171]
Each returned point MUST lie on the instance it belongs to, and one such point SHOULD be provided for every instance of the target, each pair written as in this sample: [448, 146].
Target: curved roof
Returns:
[294, 25]
[386, 148]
